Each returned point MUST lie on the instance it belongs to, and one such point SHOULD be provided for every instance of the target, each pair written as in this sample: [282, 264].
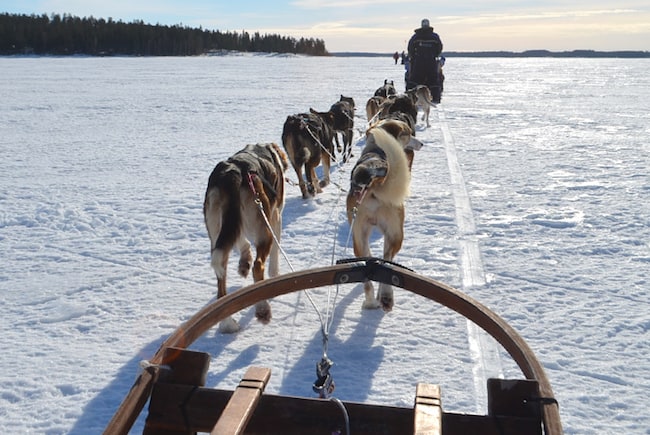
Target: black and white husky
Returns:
[252, 176]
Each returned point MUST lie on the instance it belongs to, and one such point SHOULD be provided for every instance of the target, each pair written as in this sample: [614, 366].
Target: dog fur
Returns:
[387, 90]
[307, 139]
[343, 111]
[421, 96]
[341, 120]
[372, 108]
[401, 131]
[233, 218]
[400, 107]
[379, 185]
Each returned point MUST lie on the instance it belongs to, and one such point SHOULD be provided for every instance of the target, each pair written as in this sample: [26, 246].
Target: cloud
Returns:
[322, 4]
[538, 16]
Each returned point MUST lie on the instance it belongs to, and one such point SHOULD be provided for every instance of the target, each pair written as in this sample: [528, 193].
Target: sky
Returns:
[382, 26]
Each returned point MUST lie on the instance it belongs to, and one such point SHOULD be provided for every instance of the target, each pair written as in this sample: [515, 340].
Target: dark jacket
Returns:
[425, 34]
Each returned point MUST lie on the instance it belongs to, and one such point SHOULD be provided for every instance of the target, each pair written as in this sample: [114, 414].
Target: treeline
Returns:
[67, 35]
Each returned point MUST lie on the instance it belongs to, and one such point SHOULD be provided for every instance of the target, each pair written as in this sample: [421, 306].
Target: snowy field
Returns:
[531, 194]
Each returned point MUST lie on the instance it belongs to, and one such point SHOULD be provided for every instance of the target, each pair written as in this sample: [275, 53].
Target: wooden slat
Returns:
[514, 398]
[282, 415]
[243, 402]
[179, 367]
[197, 410]
[428, 410]
[186, 367]
[468, 424]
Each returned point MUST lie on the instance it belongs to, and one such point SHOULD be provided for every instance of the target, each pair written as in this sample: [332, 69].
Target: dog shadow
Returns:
[353, 373]
[99, 411]
[295, 207]
[215, 343]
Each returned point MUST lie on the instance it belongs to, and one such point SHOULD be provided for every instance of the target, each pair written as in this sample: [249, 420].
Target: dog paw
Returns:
[263, 311]
[244, 267]
[385, 297]
[387, 303]
[370, 304]
[228, 326]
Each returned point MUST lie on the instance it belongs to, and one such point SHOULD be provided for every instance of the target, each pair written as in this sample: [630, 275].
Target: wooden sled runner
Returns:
[180, 404]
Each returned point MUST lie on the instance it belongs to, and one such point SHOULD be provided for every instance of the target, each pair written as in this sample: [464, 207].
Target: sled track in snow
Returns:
[483, 348]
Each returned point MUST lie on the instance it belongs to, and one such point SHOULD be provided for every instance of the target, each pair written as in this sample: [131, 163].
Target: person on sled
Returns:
[424, 65]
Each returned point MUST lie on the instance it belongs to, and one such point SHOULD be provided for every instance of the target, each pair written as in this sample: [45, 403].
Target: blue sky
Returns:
[386, 25]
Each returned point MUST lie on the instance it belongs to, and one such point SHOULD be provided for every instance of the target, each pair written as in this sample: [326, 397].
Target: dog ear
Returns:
[413, 144]
[370, 140]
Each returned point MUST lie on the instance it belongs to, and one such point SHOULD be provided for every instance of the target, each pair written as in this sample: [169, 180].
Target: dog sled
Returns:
[429, 74]
[172, 382]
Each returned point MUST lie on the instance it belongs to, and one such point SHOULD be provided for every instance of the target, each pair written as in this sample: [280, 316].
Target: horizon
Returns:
[509, 52]
[354, 25]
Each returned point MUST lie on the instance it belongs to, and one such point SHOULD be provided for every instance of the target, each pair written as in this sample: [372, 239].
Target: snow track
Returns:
[483, 348]
[102, 177]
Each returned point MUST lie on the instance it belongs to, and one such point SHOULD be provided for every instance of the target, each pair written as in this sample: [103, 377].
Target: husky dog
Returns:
[421, 96]
[372, 108]
[307, 138]
[399, 107]
[343, 112]
[387, 90]
[379, 185]
[237, 188]
[340, 118]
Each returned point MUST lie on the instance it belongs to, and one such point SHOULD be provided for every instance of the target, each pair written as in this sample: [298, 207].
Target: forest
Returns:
[69, 35]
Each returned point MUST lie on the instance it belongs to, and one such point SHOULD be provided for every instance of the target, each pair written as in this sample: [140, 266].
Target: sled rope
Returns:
[260, 206]
[354, 216]
[325, 324]
[375, 116]
[146, 364]
[313, 136]
[324, 385]
[347, 115]
[346, 417]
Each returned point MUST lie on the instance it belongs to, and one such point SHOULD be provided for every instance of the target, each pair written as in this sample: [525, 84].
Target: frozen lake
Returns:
[541, 165]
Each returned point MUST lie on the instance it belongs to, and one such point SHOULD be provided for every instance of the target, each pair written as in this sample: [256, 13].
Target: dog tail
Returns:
[221, 208]
[397, 183]
[293, 144]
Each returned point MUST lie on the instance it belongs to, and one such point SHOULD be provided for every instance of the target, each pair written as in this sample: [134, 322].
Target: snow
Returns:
[531, 194]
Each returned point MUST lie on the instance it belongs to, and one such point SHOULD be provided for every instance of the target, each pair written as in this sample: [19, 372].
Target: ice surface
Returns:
[103, 168]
